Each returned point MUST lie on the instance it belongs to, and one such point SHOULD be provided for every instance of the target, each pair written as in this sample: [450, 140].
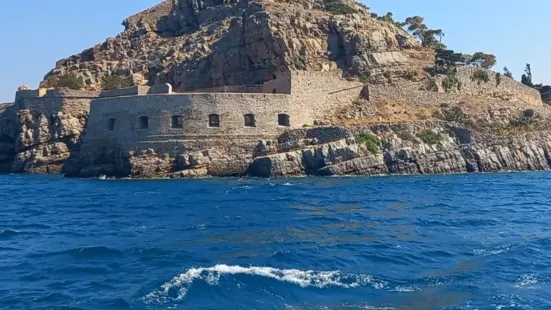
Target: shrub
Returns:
[411, 75]
[370, 141]
[115, 82]
[406, 136]
[70, 80]
[480, 76]
[526, 118]
[450, 82]
[430, 137]
[454, 114]
[498, 78]
[337, 8]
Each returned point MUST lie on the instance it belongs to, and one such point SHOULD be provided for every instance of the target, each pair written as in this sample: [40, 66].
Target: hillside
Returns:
[195, 46]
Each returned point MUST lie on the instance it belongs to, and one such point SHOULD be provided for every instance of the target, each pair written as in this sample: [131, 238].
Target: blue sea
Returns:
[476, 241]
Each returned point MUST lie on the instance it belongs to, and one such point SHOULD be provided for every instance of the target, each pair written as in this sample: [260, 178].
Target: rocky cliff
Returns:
[429, 147]
[8, 135]
[194, 44]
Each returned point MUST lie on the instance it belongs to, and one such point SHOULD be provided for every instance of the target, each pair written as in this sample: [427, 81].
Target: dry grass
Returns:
[385, 112]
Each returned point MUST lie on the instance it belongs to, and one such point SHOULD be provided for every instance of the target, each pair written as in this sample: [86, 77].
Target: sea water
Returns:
[477, 241]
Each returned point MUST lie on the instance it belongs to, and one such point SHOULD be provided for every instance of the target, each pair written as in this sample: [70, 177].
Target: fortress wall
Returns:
[507, 89]
[249, 88]
[71, 93]
[322, 92]
[280, 85]
[29, 93]
[195, 110]
[130, 91]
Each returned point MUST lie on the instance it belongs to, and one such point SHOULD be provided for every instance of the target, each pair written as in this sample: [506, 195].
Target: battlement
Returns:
[54, 93]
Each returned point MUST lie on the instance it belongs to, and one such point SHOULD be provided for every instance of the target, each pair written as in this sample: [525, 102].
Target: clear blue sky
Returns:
[37, 33]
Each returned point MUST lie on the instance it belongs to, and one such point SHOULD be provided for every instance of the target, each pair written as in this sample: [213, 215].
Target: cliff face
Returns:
[404, 149]
[202, 44]
[8, 135]
[39, 134]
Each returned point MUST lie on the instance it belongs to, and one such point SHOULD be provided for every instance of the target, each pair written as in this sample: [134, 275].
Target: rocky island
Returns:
[267, 88]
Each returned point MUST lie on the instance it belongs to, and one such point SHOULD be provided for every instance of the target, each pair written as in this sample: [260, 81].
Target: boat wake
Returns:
[177, 288]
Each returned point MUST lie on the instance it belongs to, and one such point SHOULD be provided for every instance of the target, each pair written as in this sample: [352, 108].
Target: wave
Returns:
[180, 284]
[87, 252]
[8, 233]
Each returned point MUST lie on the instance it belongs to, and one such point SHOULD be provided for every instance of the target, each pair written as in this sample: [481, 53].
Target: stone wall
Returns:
[54, 93]
[504, 89]
[130, 91]
[195, 110]
[246, 89]
[321, 92]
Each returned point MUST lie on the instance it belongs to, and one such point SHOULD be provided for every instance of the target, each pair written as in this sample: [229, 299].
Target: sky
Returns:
[37, 33]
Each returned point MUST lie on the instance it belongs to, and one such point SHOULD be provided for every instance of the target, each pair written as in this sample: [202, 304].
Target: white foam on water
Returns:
[494, 251]
[526, 280]
[303, 278]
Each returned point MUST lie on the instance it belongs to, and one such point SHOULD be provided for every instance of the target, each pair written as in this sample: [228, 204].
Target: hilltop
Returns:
[200, 44]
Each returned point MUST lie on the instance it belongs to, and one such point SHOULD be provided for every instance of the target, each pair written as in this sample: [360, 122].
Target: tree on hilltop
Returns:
[526, 78]
[483, 60]
[431, 38]
[507, 73]
[389, 17]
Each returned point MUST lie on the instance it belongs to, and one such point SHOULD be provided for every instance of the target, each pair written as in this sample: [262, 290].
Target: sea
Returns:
[471, 241]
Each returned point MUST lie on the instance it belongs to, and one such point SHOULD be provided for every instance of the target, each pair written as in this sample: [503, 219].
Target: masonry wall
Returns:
[322, 92]
[506, 89]
[195, 110]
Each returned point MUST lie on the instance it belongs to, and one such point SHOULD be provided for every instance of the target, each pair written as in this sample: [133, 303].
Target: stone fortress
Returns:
[268, 104]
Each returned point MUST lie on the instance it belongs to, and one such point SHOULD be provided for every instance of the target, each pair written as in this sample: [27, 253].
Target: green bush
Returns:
[430, 137]
[115, 82]
[498, 78]
[480, 76]
[370, 141]
[337, 8]
[406, 136]
[411, 75]
[450, 82]
[454, 114]
[70, 80]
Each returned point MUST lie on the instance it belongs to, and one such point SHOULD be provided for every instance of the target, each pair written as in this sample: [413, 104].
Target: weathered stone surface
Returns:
[205, 44]
[8, 135]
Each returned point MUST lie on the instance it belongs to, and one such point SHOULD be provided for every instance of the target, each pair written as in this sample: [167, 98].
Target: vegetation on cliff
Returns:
[111, 82]
[70, 80]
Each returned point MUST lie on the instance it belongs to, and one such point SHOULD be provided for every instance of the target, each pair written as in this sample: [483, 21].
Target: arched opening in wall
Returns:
[249, 120]
[283, 120]
[214, 120]
[111, 124]
[177, 121]
[144, 122]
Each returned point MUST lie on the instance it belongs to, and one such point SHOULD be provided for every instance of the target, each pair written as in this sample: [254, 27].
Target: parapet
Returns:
[29, 93]
[70, 93]
[137, 90]
[54, 93]
[130, 91]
